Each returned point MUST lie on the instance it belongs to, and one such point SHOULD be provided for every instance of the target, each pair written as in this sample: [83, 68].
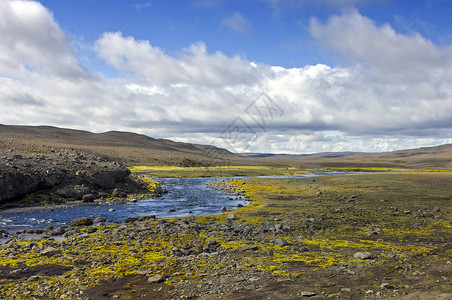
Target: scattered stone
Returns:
[80, 173]
[116, 193]
[307, 294]
[170, 210]
[131, 219]
[50, 251]
[99, 220]
[146, 218]
[82, 221]
[155, 279]
[223, 209]
[190, 218]
[231, 216]
[281, 242]
[363, 255]
[88, 198]
[386, 285]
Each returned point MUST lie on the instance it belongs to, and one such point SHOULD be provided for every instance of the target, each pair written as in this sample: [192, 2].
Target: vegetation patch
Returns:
[377, 234]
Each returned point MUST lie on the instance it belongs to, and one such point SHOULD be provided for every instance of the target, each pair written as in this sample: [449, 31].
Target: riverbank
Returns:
[362, 236]
[66, 177]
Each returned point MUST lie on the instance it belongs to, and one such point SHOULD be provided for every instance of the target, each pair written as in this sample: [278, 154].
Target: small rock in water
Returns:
[223, 209]
[170, 210]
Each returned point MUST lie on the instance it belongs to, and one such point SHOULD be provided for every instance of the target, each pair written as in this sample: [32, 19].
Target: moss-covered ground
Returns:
[216, 171]
[299, 237]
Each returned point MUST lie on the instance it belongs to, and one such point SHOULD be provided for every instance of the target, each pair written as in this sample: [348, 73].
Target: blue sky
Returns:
[347, 75]
[272, 34]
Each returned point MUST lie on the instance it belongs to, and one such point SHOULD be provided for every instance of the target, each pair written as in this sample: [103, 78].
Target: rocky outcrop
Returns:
[57, 177]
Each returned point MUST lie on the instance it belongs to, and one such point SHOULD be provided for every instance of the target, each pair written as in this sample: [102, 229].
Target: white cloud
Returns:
[395, 93]
[237, 23]
[360, 39]
[30, 38]
[193, 66]
[139, 6]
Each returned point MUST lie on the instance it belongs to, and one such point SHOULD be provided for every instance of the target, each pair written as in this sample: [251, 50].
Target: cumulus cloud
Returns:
[394, 93]
[193, 66]
[360, 39]
[30, 38]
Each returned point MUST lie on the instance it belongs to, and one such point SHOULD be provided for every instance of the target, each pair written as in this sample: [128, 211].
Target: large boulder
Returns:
[73, 191]
[82, 221]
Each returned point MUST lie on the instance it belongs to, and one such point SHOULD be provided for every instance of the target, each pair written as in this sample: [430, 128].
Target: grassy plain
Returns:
[299, 236]
[216, 171]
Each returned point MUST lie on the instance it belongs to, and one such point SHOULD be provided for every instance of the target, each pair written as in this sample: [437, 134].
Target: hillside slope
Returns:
[130, 148]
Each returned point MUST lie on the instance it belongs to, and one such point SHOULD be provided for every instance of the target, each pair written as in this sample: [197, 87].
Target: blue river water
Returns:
[186, 196]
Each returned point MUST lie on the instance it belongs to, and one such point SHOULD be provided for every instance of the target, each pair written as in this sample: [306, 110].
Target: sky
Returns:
[272, 76]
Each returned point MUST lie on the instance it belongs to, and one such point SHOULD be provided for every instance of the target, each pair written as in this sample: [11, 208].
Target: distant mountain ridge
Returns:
[133, 148]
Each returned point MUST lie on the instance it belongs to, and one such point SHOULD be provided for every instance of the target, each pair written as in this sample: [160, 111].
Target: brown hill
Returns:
[133, 148]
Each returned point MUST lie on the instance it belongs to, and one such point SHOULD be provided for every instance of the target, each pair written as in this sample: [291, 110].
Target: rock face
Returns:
[68, 175]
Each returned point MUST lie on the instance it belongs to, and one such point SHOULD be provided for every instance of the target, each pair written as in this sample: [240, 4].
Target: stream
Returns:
[186, 196]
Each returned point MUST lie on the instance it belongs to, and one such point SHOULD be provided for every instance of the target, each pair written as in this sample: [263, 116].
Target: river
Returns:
[186, 196]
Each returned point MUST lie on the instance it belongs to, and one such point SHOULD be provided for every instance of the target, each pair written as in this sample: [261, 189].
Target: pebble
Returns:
[363, 255]
[281, 242]
[307, 294]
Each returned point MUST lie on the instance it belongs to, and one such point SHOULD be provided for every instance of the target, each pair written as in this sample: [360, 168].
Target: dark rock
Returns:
[82, 221]
[88, 198]
[131, 219]
[99, 220]
[146, 218]
[73, 191]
